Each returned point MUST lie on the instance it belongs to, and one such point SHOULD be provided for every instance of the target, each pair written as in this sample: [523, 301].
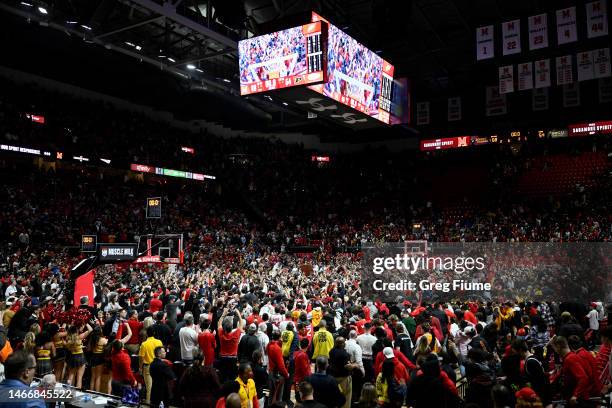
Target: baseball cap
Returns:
[388, 352]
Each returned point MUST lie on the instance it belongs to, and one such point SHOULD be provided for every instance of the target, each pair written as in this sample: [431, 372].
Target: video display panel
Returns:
[356, 76]
[282, 59]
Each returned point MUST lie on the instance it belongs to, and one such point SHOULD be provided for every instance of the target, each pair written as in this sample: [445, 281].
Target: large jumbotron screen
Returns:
[283, 59]
[356, 76]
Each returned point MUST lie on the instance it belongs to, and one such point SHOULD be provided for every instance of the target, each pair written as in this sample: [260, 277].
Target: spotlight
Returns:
[191, 66]
[42, 10]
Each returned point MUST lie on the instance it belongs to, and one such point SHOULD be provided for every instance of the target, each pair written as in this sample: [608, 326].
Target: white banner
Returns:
[605, 90]
[525, 76]
[571, 95]
[422, 113]
[538, 31]
[542, 73]
[495, 102]
[565, 74]
[539, 99]
[454, 109]
[511, 37]
[506, 79]
[584, 60]
[597, 19]
[566, 26]
[485, 47]
[601, 63]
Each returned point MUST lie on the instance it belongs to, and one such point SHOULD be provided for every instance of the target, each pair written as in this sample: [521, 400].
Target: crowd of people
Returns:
[287, 48]
[364, 67]
[267, 308]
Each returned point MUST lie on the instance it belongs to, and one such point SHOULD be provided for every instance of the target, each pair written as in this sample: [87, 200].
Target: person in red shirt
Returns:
[207, 343]
[155, 305]
[469, 316]
[302, 364]
[590, 368]
[401, 363]
[228, 345]
[576, 382]
[121, 364]
[133, 344]
[254, 317]
[276, 366]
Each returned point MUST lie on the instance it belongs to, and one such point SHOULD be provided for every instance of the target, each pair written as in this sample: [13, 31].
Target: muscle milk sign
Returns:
[117, 252]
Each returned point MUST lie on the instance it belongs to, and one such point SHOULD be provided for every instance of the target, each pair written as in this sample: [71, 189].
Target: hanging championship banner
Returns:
[485, 47]
[601, 63]
[511, 37]
[567, 31]
[542, 73]
[422, 113]
[571, 95]
[597, 19]
[585, 65]
[495, 102]
[605, 90]
[454, 109]
[538, 31]
[506, 79]
[565, 74]
[539, 99]
[525, 76]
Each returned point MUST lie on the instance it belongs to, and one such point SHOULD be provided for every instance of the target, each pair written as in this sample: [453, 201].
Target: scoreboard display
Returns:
[356, 76]
[283, 59]
[89, 243]
[154, 207]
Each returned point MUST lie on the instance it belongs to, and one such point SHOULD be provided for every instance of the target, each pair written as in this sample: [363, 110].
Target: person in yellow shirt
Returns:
[322, 341]
[248, 392]
[147, 355]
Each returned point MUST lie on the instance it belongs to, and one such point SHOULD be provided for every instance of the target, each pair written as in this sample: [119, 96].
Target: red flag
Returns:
[84, 286]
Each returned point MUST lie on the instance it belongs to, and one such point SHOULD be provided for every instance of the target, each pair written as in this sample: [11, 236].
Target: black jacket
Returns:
[248, 344]
[326, 390]
[162, 375]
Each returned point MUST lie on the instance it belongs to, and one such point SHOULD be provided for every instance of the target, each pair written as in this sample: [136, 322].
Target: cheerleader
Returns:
[76, 358]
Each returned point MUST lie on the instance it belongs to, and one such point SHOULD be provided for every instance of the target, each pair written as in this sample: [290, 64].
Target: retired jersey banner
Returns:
[597, 19]
[601, 63]
[511, 37]
[567, 30]
[605, 90]
[542, 73]
[422, 113]
[485, 47]
[538, 31]
[506, 79]
[585, 65]
[525, 76]
[565, 73]
[539, 99]
[495, 102]
[571, 95]
[454, 109]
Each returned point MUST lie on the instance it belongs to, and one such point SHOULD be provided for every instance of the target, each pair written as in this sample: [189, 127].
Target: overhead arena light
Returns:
[88, 28]
[107, 161]
[171, 59]
[199, 70]
[23, 3]
[226, 80]
[191, 66]
[42, 10]
[71, 22]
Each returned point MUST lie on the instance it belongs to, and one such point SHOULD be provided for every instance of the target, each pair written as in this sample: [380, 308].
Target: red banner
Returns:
[445, 143]
[84, 286]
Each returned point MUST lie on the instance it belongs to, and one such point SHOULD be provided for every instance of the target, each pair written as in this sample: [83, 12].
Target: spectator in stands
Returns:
[199, 384]
[576, 386]
[306, 393]
[248, 344]
[325, 387]
[122, 369]
[207, 342]
[431, 387]
[188, 338]
[162, 378]
[146, 358]
[228, 344]
[248, 391]
[19, 371]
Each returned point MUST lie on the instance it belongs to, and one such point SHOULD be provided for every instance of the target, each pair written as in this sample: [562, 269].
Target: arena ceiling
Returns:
[429, 41]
